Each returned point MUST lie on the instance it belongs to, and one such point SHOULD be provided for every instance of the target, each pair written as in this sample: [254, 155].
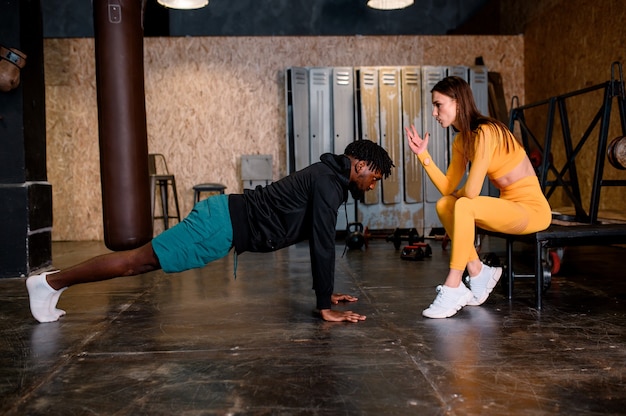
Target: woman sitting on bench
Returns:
[491, 150]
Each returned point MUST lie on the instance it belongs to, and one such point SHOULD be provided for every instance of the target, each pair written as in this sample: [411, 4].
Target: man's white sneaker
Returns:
[483, 283]
[43, 298]
[449, 301]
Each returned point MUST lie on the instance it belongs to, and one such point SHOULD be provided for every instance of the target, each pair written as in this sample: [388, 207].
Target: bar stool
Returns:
[206, 187]
[161, 177]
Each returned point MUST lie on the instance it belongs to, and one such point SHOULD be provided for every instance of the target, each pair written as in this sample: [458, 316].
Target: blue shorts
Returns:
[206, 234]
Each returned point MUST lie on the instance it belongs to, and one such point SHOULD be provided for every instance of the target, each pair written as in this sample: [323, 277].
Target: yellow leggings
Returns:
[521, 209]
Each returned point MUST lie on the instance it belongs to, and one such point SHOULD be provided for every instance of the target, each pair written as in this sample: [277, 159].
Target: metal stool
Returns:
[161, 177]
[206, 187]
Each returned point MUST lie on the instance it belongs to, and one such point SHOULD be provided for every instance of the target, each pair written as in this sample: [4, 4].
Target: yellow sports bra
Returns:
[491, 159]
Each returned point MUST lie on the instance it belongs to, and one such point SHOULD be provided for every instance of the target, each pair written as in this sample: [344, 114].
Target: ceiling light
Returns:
[389, 4]
[183, 4]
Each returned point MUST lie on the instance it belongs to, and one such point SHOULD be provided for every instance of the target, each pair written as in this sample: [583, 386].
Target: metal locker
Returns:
[343, 108]
[391, 130]
[369, 123]
[476, 77]
[343, 126]
[458, 71]
[438, 142]
[461, 72]
[478, 80]
[297, 91]
[411, 115]
[320, 112]
[327, 108]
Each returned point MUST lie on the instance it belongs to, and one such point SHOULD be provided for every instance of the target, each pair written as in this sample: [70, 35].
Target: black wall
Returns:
[25, 194]
[73, 18]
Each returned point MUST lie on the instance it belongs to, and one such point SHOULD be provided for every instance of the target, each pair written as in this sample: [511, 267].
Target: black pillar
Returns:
[25, 194]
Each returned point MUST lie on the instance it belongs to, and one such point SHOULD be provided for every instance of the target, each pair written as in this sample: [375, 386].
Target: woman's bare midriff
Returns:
[521, 171]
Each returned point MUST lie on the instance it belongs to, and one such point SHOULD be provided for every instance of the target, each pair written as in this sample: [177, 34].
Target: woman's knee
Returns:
[463, 204]
[445, 205]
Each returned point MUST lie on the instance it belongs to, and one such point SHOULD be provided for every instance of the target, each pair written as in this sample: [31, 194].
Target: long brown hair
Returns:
[468, 118]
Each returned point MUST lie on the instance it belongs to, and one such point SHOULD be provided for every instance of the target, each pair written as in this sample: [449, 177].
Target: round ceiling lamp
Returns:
[389, 4]
[183, 4]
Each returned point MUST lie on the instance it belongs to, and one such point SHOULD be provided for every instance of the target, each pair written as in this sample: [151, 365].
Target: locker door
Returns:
[297, 90]
[391, 130]
[369, 123]
[411, 115]
[458, 71]
[479, 81]
[461, 72]
[343, 126]
[343, 107]
[438, 142]
[321, 140]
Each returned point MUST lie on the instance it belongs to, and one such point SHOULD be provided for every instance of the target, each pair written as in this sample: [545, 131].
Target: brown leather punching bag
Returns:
[122, 123]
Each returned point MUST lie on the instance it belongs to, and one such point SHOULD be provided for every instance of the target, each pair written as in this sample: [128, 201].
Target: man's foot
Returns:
[43, 298]
[448, 302]
[483, 283]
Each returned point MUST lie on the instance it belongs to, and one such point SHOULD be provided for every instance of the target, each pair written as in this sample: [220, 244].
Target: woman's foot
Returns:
[449, 301]
[483, 283]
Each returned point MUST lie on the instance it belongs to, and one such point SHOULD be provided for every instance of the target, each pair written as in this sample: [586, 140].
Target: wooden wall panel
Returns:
[72, 139]
[570, 45]
[211, 100]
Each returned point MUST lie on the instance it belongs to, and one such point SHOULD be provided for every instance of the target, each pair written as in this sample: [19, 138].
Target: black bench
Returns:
[557, 235]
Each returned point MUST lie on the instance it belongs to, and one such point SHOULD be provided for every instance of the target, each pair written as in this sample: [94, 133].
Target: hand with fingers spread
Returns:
[340, 316]
[416, 143]
[335, 298]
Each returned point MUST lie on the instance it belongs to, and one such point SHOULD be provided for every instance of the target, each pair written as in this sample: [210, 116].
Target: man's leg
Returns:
[107, 266]
[44, 289]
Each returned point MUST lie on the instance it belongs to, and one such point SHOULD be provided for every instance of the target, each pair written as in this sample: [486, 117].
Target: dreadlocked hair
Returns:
[375, 156]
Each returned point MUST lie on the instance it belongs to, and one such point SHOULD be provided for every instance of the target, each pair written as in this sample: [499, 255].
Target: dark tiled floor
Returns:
[202, 343]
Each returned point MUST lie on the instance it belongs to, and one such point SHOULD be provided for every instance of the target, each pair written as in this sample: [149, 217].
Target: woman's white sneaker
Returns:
[482, 284]
[449, 301]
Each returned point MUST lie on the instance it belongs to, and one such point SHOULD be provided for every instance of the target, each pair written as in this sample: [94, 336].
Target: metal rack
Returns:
[584, 228]
[613, 90]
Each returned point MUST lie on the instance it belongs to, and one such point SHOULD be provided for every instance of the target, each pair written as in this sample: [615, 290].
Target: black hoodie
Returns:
[301, 206]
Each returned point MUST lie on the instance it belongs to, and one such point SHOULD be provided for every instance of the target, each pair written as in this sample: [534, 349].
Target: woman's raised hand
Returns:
[416, 143]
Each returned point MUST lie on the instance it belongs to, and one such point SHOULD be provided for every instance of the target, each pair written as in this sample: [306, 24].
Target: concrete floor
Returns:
[203, 343]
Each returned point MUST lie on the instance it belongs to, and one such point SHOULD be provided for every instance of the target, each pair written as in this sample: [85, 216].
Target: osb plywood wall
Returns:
[571, 45]
[211, 100]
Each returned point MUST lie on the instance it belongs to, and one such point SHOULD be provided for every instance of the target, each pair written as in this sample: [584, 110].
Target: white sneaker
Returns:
[448, 302]
[483, 283]
[43, 298]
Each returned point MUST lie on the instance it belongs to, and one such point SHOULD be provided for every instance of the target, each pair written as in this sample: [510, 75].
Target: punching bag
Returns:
[123, 137]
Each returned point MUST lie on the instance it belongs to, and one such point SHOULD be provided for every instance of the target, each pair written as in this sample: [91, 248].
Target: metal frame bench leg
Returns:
[509, 262]
[538, 273]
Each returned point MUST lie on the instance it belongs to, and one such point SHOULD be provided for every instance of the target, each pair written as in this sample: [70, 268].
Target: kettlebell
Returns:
[354, 237]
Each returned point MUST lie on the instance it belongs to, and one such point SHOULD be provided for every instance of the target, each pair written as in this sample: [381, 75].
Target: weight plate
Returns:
[616, 153]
